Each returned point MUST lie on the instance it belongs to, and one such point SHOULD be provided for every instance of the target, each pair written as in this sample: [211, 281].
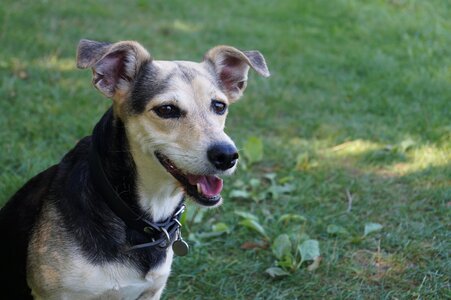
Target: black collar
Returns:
[159, 233]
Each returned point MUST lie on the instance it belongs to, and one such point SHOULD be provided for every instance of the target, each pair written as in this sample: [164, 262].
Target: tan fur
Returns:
[45, 262]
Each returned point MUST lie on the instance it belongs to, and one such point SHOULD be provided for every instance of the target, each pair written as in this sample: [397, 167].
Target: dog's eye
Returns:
[218, 107]
[168, 111]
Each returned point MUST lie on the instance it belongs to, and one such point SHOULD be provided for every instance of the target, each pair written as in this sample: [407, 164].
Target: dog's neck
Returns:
[137, 177]
[158, 191]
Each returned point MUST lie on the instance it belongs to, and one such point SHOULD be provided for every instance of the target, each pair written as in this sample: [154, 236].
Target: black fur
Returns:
[147, 86]
[102, 236]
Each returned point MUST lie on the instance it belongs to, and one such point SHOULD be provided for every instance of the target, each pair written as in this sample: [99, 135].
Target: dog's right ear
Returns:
[114, 66]
[231, 67]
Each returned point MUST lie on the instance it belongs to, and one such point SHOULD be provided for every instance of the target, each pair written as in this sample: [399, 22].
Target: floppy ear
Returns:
[114, 66]
[231, 67]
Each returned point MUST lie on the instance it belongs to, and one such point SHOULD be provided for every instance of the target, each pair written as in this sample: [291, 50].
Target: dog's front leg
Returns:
[158, 277]
[151, 294]
[154, 293]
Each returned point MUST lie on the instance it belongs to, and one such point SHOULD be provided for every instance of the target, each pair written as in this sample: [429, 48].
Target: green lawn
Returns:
[355, 123]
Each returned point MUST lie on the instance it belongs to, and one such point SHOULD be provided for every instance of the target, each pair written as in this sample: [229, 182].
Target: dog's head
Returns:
[175, 110]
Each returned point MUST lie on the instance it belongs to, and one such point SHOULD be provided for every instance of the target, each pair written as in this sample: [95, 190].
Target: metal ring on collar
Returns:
[168, 238]
[181, 210]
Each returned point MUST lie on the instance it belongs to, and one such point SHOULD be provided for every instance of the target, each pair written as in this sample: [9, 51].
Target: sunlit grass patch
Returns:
[55, 63]
[397, 160]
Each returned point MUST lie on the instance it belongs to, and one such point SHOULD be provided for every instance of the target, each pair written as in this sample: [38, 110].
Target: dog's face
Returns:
[175, 111]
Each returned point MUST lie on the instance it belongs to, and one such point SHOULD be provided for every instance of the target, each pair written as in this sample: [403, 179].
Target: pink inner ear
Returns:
[108, 71]
[231, 73]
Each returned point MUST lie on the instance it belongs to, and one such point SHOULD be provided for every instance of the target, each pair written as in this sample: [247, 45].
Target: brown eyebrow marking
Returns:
[148, 84]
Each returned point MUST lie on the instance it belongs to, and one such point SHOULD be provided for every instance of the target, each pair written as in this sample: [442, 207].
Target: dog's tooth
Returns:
[199, 189]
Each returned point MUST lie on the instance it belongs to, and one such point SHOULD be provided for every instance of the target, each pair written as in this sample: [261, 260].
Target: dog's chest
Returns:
[109, 282]
[79, 279]
[115, 281]
[115, 284]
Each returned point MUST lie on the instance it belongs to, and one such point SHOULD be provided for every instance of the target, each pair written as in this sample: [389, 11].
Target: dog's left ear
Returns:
[232, 65]
[114, 66]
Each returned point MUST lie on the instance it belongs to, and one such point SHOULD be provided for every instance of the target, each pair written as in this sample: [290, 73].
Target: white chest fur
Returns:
[83, 280]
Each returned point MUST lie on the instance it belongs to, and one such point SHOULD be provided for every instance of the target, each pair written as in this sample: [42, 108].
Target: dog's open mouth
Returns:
[204, 189]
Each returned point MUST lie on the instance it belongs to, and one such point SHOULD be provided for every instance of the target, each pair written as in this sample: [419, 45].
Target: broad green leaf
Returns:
[287, 262]
[371, 227]
[217, 230]
[277, 190]
[195, 239]
[220, 228]
[254, 183]
[276, 272]
[254, 225]
[292, 217]
[281, 246]
[246, 215]
[309, 250]
[261, 196]
[302, 237]
[286, 179]
[271, 177]
[336, 230]
[239, 194]
[253, 149]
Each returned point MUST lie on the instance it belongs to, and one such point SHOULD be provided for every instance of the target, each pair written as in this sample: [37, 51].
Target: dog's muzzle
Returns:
[223, 156]
[204, 189]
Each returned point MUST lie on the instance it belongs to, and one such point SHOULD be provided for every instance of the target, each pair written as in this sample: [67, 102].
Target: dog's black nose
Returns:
[222, 156]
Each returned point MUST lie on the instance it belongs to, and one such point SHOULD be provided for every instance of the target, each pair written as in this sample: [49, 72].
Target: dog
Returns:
[104, 222]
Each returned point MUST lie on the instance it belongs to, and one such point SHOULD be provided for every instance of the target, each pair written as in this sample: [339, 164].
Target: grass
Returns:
[358, 107]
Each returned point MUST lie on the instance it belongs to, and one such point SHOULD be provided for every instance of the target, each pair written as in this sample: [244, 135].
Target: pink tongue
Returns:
[210, 186]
